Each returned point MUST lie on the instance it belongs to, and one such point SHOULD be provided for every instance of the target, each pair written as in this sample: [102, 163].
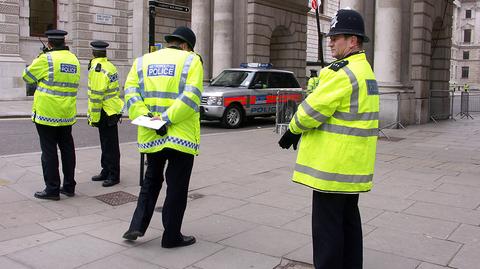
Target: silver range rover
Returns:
[240, 93]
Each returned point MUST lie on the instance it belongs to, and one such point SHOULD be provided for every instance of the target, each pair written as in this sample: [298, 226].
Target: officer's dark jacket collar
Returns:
[350, 54]
[58, 48]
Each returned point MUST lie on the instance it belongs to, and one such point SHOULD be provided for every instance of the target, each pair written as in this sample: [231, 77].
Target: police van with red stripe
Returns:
[250, 91]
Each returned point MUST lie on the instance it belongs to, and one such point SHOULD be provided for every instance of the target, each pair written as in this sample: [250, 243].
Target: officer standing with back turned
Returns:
[338, 126]
[104, 111]
[57, 74]
[312, 81]
[166, 84]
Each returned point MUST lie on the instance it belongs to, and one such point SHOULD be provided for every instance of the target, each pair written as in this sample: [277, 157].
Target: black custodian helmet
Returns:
[183, 33]
[348, 22]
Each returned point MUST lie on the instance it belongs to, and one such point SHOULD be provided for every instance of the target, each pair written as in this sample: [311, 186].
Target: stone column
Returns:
[201, 26]
[11, 64]
[222, 36]
[388, 41]
[140, 28]
[354, 4]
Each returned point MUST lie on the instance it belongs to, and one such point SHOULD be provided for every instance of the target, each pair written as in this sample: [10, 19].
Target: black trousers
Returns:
[50, 137]
[336, 231]
[110, 160]
[177, 175]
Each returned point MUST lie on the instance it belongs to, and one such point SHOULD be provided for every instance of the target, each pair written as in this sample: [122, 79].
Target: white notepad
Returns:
[148, 122]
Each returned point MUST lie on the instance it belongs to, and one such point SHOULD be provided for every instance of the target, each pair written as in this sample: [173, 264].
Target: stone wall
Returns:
[11, 83]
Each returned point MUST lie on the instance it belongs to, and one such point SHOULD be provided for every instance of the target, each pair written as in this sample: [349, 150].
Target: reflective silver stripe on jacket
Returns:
[96, 110]
[133, 100]
[159, 94]
[189, 102]
[165, 117]
[299, 125]
[111, 90]
[141, 83]
[183, 77]
[333, 176]
[313, 113]
[58, 93]
[158, 109]
[50, 67]
[106, 97]
[337, 129]
[60, 84]
[171, 139]
[30, 75]
[95, 101]
[194, 90]
[95, 92]
[355, 90]
[131, 90]
[355, 116]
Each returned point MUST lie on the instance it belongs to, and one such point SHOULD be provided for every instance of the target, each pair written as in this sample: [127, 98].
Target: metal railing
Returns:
[390, 112]
[441, 104]
[286, 105]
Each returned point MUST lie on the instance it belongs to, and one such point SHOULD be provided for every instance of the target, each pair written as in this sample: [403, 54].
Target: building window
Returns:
[465, 70]
[43, 16]
[466, 54]
[467, 35]
[468, 14]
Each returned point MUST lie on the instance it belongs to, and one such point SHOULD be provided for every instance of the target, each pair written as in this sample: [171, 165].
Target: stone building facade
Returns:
[410, 48]
[228, 33]
[465, 64]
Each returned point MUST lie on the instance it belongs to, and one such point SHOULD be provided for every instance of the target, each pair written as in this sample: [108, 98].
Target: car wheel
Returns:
[232, 117]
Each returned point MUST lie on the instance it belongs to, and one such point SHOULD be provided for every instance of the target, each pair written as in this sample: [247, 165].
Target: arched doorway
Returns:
[282, 46]
[439, 73]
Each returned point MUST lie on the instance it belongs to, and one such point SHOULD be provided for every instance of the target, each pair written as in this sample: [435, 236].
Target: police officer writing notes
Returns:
[104, 110]
[166, 85]
[338, 126]
[57, 73]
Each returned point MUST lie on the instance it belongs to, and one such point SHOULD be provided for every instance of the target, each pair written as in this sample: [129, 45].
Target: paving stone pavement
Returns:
[423, 213]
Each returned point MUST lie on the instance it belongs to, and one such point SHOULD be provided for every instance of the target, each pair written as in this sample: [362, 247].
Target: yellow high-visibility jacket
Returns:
[167, 83]
[57, 74]
[103, 90]
[339, 127]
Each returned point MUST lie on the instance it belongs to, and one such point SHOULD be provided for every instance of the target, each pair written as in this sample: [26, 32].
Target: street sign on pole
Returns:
[169, 6]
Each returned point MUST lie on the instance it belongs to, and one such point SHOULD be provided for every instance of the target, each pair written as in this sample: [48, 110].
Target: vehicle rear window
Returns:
[282, 80]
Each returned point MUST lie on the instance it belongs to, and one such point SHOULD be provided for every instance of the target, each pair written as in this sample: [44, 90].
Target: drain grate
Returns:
[289, 264]
[117, 198]
[194, 196]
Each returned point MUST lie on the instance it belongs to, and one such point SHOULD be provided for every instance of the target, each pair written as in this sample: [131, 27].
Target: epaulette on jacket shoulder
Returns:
[98, 67]
[338, 65]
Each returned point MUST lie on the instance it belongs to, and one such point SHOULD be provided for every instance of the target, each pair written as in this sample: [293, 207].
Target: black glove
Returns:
[288, 139]
[162, 131]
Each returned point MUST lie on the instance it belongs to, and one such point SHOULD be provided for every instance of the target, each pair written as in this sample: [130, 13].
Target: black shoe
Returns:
[132, 235]
[186, 241]
[44, 195]
[110, 182]
[67, 193]
[98, 177]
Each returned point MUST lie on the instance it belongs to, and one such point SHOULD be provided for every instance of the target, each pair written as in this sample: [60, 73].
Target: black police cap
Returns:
[348, 22]
[99, 45]
[56, 34]
[183, 33]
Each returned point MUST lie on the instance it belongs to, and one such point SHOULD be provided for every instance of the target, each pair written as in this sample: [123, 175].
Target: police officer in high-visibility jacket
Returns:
[57, 74]
[167, 85]
[104, 111]
[313, 81]
[338, 126]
